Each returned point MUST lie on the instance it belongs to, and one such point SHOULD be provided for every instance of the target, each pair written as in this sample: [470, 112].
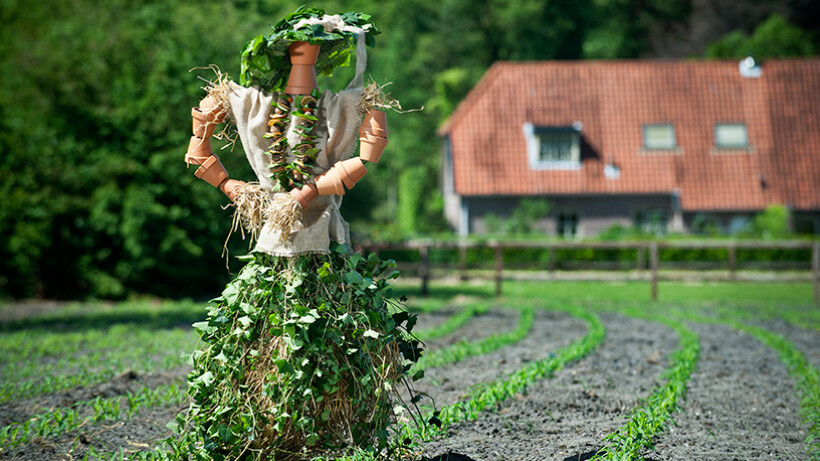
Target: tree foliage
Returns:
[95, 109]
[775, 37]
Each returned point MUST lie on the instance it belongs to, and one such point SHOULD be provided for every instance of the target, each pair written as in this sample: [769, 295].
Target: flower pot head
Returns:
[267, 59]
[302, 78]
[303, 53]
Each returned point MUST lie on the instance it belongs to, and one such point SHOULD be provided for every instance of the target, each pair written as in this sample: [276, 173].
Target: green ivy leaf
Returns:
[225, 433]
[203, 327]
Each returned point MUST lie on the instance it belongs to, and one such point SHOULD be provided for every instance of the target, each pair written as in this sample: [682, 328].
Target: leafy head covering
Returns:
[265, 62]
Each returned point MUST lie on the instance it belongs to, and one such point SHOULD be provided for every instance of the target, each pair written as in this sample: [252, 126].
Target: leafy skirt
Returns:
[300, 356]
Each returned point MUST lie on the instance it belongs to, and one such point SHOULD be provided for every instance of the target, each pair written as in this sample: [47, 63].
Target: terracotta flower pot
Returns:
[330, 183]
[212, 110]
[352, 171]
[305, 195]
[365, 130]
[375, 120]
[202, 128]
[199, 149]
[371, 148]
[302, 78]
[230, 187]
[212, 171]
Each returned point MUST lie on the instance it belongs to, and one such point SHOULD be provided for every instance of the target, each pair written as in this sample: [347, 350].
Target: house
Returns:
[667, 145]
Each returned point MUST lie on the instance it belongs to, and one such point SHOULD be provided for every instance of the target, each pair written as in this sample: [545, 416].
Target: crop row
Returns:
[30, 345]
[651, 418]
[453, 323]
[645, 422]
[463, 349]
[62, 420]
[493, 393]
[157, 350]
[805, 375]
[807, 382]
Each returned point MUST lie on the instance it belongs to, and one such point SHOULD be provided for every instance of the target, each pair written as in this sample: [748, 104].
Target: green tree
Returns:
[96, 201]
[771, 223]
[621, 28]
[773, 38]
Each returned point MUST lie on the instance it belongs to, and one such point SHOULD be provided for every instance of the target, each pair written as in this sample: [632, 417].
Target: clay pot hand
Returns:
[212, 110]
[231, 187]
[305, 195]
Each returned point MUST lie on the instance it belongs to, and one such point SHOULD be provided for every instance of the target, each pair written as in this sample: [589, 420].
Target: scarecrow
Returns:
[304, 351]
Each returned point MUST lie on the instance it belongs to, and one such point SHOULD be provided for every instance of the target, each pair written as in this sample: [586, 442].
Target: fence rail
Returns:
[652, 248]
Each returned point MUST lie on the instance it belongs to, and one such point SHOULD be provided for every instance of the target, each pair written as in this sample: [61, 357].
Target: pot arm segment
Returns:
[200, 153]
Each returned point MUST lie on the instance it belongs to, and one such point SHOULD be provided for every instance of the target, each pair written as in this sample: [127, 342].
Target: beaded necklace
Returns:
[291, 170]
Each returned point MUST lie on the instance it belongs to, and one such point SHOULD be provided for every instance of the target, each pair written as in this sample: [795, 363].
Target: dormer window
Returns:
[731, 136]
[659, 136]
[553, 147]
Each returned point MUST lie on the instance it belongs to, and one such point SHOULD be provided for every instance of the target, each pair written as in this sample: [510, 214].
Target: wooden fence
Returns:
[642, 248]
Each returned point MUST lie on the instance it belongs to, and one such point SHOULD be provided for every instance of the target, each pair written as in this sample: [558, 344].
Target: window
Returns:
[731, 136]
[568, 225]
[557, 146]
[653, 221]
[660, 136]
[553, 147]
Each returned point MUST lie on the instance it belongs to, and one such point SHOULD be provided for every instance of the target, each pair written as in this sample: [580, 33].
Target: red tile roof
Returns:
[614, 99]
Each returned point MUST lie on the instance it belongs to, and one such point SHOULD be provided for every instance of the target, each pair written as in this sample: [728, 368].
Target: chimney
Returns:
[750, 68]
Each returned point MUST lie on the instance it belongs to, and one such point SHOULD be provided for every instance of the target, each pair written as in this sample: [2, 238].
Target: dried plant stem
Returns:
[374, 97]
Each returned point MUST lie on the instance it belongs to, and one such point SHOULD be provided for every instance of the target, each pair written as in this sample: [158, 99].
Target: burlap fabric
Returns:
[337, 133]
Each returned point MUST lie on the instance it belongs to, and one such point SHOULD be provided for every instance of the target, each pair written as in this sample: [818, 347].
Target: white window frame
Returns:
[732, 146]
[533, 141]
[665, 148]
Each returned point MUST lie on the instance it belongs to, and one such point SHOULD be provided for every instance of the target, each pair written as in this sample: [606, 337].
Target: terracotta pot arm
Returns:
[344, 173]
[373, 136]
[200, 153]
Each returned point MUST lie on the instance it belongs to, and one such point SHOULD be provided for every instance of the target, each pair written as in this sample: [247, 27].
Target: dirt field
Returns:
[740, 404]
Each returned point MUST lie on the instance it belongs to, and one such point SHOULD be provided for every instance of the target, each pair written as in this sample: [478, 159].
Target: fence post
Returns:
[641, 258]
[462, 261]
[499, 267]
[815, 271]
[653, 264]
[424, 270]
[732, 261]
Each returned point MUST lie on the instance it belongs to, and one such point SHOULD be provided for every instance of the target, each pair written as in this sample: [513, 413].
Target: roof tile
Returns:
[613, 99]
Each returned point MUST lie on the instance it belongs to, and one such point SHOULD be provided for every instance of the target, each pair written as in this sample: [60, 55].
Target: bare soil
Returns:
[741, 402]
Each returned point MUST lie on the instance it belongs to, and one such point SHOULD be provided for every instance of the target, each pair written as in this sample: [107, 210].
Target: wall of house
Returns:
[595, 213]
[732, 222]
